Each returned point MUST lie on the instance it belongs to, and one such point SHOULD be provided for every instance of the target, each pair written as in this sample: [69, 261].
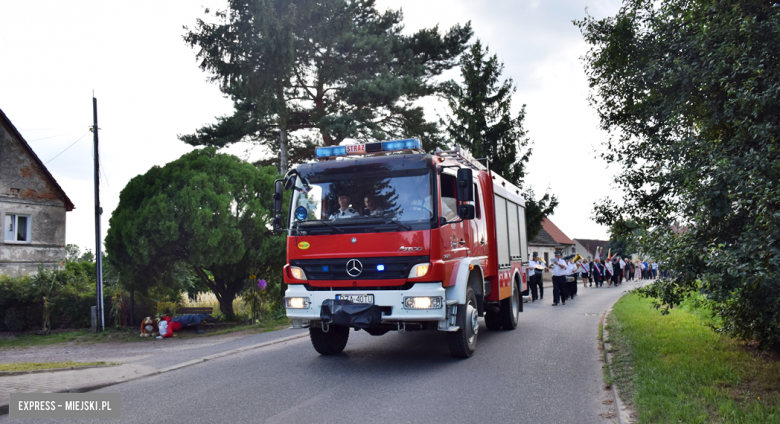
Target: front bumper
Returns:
[391, 301]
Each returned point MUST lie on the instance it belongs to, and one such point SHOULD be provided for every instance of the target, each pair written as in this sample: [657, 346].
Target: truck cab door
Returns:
[477, 227]
[454, 238]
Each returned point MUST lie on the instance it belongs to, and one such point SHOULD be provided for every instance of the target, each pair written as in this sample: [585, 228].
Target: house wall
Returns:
[582, 250]
[25, 189]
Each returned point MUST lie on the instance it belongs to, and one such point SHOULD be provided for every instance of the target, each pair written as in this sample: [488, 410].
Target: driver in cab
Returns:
[345, 211]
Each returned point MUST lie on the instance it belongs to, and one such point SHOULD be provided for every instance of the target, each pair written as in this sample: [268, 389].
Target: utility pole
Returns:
[100, 324]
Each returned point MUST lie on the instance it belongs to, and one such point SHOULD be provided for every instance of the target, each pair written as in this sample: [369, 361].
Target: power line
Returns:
[103, 169]
[44, 138]
[55, 157]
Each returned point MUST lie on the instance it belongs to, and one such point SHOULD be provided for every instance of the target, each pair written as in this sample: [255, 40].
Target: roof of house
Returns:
[556, 233]
[592, 244]
[543, 239]
[12, 129]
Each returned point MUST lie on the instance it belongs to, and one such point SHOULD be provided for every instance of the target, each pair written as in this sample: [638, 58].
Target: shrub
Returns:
[70, 294]
[14, 320]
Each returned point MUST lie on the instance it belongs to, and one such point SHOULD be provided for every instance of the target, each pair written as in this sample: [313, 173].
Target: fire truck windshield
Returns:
[335, 199]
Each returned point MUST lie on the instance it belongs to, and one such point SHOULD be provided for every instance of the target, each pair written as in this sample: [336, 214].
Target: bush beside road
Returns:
[675, 368]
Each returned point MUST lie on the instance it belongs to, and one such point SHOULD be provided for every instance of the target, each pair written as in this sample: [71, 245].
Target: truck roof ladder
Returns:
[462, 156]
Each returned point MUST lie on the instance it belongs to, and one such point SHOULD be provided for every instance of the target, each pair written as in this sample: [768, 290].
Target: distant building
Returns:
[32, 208]
[587, 247]
[550, 239]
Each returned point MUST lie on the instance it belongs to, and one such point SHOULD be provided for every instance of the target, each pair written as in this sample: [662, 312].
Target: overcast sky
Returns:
[149, 89]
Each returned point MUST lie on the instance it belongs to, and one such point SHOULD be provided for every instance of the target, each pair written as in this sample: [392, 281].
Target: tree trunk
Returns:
[282, 128]
[224, 293]
[132, 308]
[283, 147]
[226, 307]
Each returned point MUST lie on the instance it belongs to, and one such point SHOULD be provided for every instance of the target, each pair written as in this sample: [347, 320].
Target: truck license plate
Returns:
[357, 298]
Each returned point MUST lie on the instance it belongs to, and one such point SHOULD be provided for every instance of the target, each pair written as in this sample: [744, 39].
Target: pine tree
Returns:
[481, 121]
[303, 73]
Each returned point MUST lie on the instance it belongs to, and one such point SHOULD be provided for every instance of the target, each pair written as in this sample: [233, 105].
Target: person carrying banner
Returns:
[608, 271]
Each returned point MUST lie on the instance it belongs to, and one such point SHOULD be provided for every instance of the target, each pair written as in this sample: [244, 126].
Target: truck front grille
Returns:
[396, 267]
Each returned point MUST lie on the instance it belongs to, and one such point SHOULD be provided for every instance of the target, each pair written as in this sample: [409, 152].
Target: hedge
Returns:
[70, 295]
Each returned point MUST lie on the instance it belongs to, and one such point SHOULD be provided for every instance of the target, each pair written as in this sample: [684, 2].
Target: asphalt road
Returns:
[548, 370]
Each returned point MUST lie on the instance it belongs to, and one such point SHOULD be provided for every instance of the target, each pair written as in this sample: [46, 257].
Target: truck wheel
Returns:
[492, 321]
[464, 341]
[510, 309]
[330, 343]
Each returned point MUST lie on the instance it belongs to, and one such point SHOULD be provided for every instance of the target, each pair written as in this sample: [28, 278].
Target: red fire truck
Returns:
[384, 237]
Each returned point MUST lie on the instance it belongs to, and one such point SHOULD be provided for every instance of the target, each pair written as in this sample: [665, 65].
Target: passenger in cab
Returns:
[372, 208]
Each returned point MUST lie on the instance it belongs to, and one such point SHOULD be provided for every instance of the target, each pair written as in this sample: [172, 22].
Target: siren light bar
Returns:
[361, 149]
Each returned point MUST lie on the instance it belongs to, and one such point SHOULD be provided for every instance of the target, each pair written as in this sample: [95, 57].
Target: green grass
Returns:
[30, 366]
[79, 336]
[674, 368]
[131, 335]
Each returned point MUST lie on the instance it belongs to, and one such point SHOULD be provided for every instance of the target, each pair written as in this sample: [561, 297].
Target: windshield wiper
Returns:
[314, 223]
[392, 221]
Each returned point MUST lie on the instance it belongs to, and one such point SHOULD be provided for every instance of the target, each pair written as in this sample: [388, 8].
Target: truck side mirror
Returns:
[465, 186]
[278, 188]
[466, 212]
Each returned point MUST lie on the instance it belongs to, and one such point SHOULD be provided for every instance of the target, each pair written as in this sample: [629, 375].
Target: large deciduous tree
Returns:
[211, 212]
[481, 120]
[338, 68]
[691, 89]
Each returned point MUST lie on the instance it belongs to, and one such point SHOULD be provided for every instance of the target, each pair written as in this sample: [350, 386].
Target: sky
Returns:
[149, 89]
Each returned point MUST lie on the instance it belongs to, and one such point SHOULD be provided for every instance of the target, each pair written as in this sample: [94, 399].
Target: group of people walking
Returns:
[611, 271]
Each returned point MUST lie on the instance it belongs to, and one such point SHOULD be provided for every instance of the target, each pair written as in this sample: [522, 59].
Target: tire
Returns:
[330, 343]
[492, 321]
[463, 342]
[509, 311]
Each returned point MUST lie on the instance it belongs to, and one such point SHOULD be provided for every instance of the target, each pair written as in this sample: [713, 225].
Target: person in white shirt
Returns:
[608, 272]
[559, 268]
[622, 270]
[535, 278]
[345, 211]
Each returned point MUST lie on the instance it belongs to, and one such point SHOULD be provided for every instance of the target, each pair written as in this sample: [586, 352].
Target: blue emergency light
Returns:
[412, 143]
[378, 147]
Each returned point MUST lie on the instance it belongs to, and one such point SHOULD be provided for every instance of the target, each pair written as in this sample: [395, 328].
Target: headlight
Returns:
[297, 273]
[423, 302]
[301, 213]
[419, 270]
[296, 302]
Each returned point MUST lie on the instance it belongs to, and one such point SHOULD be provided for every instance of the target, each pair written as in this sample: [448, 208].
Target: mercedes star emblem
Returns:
[354, 267]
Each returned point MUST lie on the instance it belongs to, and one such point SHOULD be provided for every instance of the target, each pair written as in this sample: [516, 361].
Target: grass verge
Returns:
[31, 366]
[674, 368]
[131, 335]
